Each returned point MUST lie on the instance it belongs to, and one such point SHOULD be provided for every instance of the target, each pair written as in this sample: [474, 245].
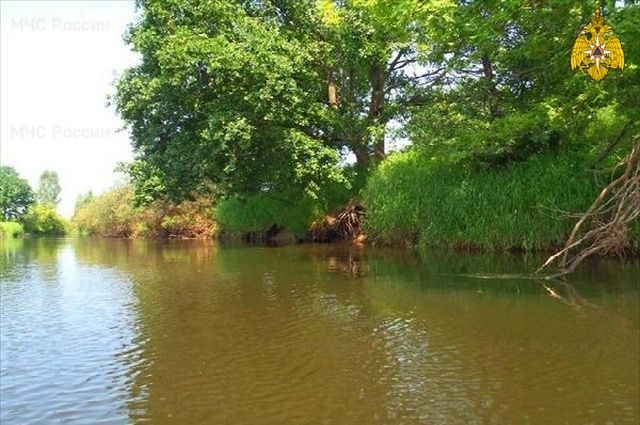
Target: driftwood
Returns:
[604, 228]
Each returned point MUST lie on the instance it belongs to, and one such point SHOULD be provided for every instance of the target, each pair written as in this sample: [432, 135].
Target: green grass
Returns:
[413, 197]
[293, 211]
[10, 229]
[259, 213]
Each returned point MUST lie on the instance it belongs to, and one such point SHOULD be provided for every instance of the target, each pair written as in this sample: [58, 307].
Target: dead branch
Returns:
[614, 142]
[604, 228]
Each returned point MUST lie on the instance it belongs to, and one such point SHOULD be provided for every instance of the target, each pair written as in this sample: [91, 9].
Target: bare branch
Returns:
[608, 219]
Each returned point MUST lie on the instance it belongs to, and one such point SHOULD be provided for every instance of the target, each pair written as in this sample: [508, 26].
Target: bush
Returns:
[188, 219]
[260, 213]
[112, 214]
[10, 229]
[279, 210]
[419, 199]
[43, 220]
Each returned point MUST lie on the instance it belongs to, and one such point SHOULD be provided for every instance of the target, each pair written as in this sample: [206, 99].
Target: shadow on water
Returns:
[199, 332]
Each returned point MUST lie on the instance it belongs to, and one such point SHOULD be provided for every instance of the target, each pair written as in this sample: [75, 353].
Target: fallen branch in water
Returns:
[566, 293]
[604, 228]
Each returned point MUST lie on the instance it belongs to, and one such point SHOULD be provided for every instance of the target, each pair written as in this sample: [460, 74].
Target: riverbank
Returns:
[114, 214]
[408, 200]
[411, 199]
[530, 205]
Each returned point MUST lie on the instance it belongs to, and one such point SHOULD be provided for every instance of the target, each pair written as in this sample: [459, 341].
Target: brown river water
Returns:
[186, 332]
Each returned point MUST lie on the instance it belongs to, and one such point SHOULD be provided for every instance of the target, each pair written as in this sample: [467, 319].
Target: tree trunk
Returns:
[332, 91]
[363, 159]
[376, 107]
[487, 70]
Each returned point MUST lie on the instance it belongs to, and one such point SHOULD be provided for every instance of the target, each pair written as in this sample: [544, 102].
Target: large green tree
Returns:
[16, 195]
[265, 95]
[49, 188]
[247, 96]
[508, 90]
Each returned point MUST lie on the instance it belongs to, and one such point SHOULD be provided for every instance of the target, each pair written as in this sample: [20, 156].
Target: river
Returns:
[188, 332]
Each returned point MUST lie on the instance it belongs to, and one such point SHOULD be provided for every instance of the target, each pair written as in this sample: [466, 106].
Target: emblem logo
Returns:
[597, 49]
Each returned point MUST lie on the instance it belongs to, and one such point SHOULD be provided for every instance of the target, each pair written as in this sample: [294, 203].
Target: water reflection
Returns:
[193, 332]
[65, 336]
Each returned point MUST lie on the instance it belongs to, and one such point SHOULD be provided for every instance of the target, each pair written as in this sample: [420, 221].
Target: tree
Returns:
[82, 200]
[43, 220]
[48, 188]
[265, 96]
[508, 91]
[16, 195]
[255, 96]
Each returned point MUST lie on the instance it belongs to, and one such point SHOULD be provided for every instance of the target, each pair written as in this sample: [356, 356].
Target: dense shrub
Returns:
[260, 213]
[43, 220]
[188, 219]
[110, 214]
[10, 229]
[113, 214]
[418, 198]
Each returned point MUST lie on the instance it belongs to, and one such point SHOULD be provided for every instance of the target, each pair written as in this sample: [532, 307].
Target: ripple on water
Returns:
[125, 336]
[66, 333]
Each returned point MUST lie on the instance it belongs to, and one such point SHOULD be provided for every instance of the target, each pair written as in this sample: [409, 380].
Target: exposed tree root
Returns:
[344, 223]
[604, 228]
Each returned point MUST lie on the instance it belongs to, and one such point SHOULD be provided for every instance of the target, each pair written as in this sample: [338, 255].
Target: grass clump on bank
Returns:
[262, 213]
[417, 199]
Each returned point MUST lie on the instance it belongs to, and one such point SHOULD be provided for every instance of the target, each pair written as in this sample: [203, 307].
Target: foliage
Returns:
[257, 103]
[607, 226]
[418, 198]
[48, 188]
[10, 229]
[291, 211]
[253, 95]
[82, 200]
[146, 180]
[43, 220]
[113, 214]
[507, 91]
[188, 219]
[260, 213]
[16, 195]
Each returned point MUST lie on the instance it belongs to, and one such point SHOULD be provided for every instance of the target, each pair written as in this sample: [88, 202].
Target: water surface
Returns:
[111, 331]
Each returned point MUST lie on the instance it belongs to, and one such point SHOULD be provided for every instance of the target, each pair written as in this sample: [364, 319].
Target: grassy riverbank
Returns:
[409, 199]
[259, 215]
[413, 198]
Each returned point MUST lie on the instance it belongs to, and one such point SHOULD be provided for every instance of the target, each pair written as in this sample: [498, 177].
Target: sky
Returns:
[58, 62]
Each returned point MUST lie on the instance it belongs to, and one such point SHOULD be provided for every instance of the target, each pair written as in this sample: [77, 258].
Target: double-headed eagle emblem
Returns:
[597, 49]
